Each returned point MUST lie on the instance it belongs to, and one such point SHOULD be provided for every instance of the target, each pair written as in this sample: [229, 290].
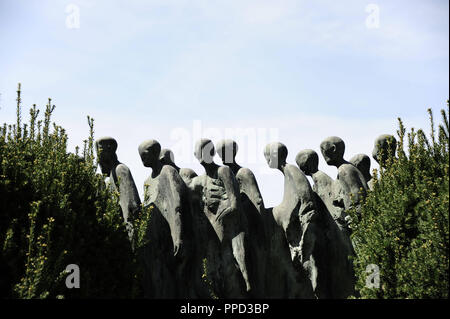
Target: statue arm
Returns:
[175, 188]
[129, 196]
[231, 187]
[249, 186]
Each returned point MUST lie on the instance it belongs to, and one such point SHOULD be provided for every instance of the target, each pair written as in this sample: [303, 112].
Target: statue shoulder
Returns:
[169, 171]
[225, 172]
[245, 173]
[122, 170]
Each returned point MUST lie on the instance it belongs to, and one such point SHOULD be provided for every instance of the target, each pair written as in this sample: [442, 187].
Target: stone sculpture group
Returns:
[211, 234]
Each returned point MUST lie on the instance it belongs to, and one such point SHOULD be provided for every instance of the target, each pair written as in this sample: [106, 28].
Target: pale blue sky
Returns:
[144, 69]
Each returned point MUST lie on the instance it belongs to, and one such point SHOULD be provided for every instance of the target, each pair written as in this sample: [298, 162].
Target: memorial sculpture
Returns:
[120, 180]
[203, 229]
[297, 217]
[362, 162]
[253, 207]
[168, 251]
[215, 225]
[337, 280]
[227, 252]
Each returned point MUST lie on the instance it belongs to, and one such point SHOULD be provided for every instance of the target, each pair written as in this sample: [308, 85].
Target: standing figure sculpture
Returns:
[351, 184]
[297, 217]
[337, 279]
[120, 179]
[362, 162]
[168, 250]
[227, 251]
[253, 207]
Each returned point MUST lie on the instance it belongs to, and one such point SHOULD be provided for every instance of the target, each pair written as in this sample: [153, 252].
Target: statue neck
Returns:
[339, 162]
[156, 169]
[235, 167]
[211, 169]
[282, 167]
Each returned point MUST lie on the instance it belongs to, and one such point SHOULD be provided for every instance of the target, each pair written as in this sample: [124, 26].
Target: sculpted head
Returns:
[384, 146]
[204, 151]
[332, 149]
[166, 157]
[149, 151]
[308, 161]
[362, 163]
[106, 152]
[227, 150]
[276, 154]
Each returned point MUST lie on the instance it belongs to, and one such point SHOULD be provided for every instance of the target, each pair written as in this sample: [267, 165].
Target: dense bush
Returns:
[403, 226]
[55, 211]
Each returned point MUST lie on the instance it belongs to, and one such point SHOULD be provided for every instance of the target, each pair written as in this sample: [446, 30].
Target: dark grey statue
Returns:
[337, 278]
[385, 145]
[296, 215]
[253, 207]
[120, 179]
[168, 250]
[362, 162]
[227, 251]
[351, 186]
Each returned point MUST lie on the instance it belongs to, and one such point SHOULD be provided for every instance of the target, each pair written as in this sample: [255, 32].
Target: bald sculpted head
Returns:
[307, 161]
[276, 154]
[204, 151]
[149, 151]
[332, 149]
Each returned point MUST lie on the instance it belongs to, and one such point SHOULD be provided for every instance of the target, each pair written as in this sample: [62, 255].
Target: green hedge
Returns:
[403, 227]
[55, 211]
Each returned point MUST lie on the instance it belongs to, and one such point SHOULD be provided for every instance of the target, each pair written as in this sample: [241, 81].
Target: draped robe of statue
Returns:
[223, 236]
[168, 251]
[253, 207]
[339, 274]
[121, 180]
[296, 217]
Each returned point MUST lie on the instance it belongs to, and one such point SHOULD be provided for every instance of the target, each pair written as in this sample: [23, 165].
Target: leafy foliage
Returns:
[56, 211]
[403, 225]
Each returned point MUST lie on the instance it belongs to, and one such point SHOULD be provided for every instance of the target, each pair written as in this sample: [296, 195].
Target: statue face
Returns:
[149, 158]
[166, 157]
[329, 153]
[227, 150]
[204, 152]
[308, 161]
[384, 145]
[271, 158]
[106, 156]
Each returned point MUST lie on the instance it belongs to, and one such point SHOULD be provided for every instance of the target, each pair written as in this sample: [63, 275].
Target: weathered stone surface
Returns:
[169, 250]
[120, 179]
[227, 251]
[383, 146]
[216, 223]
[253, 207]
[351, 185]
[297, 217]
[362, 162]
[337, 274]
